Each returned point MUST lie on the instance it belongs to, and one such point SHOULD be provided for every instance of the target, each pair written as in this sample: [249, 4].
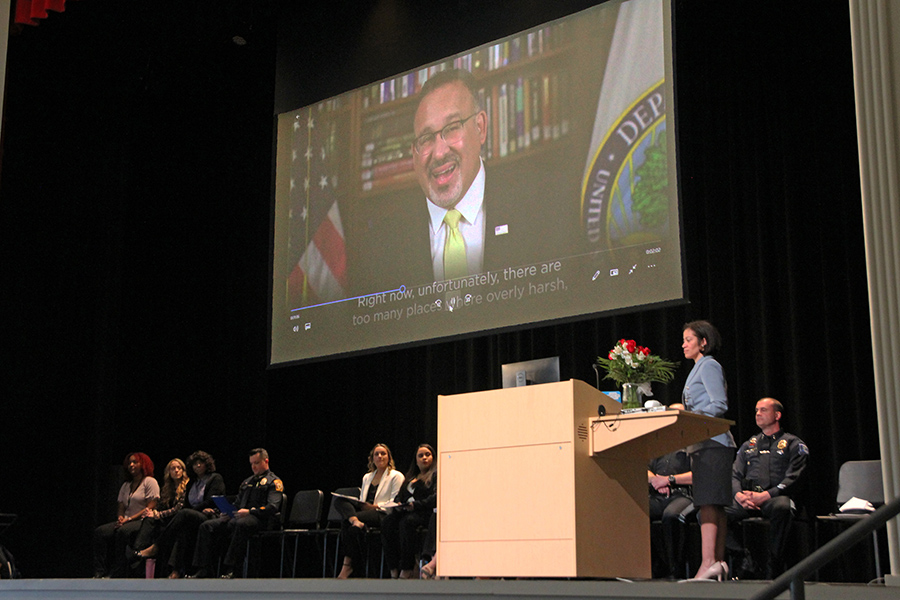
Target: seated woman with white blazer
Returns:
[380, 484]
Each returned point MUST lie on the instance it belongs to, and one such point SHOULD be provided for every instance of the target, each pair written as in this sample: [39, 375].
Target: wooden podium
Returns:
[531, 483]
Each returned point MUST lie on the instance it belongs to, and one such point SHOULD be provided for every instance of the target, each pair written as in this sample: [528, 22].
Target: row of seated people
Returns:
[765, 476]
[182, 517]
[396, 504]
[180, 525]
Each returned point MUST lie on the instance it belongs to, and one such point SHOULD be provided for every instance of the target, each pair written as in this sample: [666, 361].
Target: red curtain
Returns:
[29, 11]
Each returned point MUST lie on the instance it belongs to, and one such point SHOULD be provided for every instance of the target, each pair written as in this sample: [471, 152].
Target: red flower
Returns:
[631, 345]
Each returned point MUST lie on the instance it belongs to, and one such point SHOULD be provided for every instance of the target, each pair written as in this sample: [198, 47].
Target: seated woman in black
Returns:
[418, 497]
[198, 507]
[379, 485]
[429, 550]
[171, 499]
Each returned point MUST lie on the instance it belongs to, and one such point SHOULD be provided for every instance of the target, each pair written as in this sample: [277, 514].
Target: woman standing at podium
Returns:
[705, 393]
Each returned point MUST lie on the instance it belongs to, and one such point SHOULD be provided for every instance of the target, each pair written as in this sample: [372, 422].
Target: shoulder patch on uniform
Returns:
[803, 449]
[279, 486]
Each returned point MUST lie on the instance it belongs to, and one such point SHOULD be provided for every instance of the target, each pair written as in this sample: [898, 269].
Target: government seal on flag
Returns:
[625, 196]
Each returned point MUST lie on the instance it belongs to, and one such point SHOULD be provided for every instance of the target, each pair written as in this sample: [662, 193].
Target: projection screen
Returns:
[572, 209]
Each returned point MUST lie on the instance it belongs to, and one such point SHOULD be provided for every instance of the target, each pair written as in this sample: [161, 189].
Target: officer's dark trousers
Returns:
[779, 511]
[213, 534]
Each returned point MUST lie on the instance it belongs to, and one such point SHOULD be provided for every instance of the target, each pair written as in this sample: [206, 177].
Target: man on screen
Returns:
[465, 219]
[450, 129]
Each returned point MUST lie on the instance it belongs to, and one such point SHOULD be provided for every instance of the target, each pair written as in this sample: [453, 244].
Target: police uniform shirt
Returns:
[769, 463]
[262, 494]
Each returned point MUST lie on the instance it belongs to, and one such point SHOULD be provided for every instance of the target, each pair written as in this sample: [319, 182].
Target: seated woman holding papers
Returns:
[380, 485]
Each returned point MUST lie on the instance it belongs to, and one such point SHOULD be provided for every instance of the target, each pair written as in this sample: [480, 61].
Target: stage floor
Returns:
[360, 589]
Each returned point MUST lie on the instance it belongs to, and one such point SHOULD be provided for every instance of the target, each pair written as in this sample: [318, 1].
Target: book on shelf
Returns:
[388, 169]
[388, 181]
[503, 54]
[524, 112]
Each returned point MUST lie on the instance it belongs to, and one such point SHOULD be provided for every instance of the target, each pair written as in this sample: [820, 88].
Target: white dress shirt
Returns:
[471, 225]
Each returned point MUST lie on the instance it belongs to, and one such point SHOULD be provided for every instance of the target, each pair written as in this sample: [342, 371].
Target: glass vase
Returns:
[632, 396]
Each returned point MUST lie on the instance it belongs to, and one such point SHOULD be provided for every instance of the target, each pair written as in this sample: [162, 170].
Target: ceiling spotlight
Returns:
[239, 40]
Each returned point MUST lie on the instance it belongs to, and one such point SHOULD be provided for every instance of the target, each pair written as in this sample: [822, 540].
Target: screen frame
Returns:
[672, 114]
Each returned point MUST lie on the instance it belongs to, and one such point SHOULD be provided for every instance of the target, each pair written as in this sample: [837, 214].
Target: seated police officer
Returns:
[764, 477]
[258, 503]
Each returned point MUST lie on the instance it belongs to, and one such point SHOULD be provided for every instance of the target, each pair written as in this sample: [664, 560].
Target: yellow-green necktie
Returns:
[454, 247]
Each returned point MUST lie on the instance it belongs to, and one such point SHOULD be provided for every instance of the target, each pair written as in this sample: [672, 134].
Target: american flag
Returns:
[320, 272]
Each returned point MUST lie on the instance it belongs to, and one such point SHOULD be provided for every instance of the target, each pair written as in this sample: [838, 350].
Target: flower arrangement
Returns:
[630, 363]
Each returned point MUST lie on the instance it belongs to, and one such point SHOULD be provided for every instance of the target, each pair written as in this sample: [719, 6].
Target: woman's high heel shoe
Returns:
[427, 571]
[718, 571]
[346, 569]
[149, 552]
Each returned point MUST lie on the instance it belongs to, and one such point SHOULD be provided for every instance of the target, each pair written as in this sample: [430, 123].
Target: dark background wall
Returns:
[134, 236]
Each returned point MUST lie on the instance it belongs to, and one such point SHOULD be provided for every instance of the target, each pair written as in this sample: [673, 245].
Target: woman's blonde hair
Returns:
[170, 493]
[390, 466]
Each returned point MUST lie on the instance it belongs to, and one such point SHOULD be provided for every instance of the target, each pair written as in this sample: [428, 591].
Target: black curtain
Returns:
[134, 223]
